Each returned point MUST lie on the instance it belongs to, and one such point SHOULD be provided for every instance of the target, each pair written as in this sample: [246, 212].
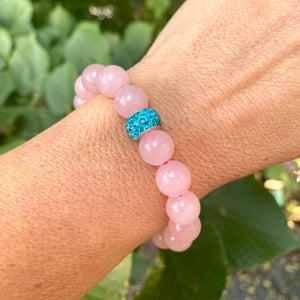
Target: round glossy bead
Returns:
[156, 147]
[130, 99]
[173, 178]
[81, 91]
[89, 77]
[173, 244]
[111, 79]
[78, 101]
[185, 233]
[183, 210]
[159, 240]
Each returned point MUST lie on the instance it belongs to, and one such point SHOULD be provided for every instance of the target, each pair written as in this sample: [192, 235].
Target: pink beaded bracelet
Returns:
[156, 147]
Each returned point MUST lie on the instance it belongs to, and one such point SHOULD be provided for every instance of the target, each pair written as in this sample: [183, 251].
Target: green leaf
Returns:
[61, 20]
[41, 9]
[114, 285]
[60, 88]
[253, 227]
[137, 38]
[273, 172]
[198, 273]
[140, 265]
[29, 63]
[57, 54]
[86, 46]
[46, 36]
[100, 293]
[8, 116]
[119, 55]
[159, 7]
[15, 15]
[5, 43]
[34, 122]
[7, 147]
[122, 59]
[7, 85]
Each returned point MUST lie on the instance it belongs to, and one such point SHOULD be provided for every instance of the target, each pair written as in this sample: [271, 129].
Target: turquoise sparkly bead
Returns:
[142, 121]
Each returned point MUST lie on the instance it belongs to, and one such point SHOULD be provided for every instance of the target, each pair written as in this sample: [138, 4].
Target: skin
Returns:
[76, 199]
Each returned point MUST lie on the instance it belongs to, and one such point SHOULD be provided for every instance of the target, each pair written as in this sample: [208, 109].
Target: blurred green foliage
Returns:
[43, 50]
[156, 12]
[44, 46]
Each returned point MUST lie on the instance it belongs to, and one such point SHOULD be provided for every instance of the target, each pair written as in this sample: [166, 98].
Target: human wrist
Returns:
[77, 193]
[181, 117]
[220, 139]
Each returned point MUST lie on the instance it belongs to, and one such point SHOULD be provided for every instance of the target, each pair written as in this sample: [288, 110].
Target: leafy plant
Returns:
[40, 58]
[40, 61]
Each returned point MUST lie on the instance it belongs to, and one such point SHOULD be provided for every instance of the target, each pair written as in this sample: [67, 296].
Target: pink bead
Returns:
[185, 233]
[156, 147]
[111, 79]
[183, 210]
[173, 244]
[159, 240]
[80, 90]
[78, 101]
[130, 99]
[173, 178]
[89, 77]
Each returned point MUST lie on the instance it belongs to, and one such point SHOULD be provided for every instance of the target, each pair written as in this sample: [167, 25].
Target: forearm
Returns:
[75, 200]
[78, 198]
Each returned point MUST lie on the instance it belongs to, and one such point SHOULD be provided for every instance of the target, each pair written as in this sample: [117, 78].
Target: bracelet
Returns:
[156, 147]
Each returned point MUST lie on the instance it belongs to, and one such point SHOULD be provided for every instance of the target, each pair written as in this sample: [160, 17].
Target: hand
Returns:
[225, 77]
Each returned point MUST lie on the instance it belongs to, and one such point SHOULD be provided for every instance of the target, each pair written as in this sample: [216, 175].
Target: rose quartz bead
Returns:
[173, 178]
[183, 210]
[173, 244]
[185, 233]
[78, 101]
[130, 99]
[89, 77]
[80, 90]
[156, 147]
[159, 240]
[111, 79]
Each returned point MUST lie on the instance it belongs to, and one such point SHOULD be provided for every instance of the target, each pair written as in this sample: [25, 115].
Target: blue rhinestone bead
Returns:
[141, 121]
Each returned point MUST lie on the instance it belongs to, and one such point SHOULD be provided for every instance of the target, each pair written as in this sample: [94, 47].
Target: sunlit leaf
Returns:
[137, 39]
[61, 20]
[29, 62]
[5, 43]
[15, 15]
[60, 88]
[252, 225]
[87, 46]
